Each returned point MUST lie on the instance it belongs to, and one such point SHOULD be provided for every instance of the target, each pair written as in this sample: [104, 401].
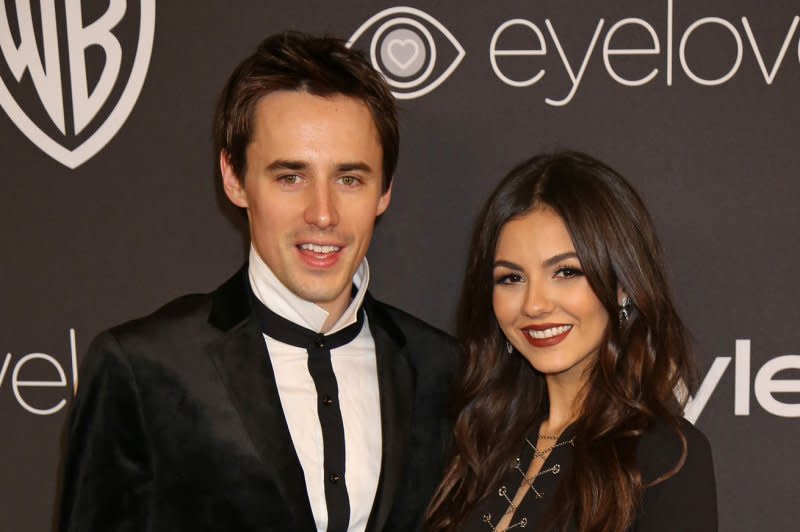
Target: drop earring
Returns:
[509, 348]
[625, 310]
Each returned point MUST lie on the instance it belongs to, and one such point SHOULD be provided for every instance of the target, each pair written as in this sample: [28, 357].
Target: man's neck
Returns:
[335, 310]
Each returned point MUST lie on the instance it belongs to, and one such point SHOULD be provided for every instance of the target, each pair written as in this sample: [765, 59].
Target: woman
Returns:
[567, 417]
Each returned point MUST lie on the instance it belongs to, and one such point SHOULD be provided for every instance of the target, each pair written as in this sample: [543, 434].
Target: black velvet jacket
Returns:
[177, 424]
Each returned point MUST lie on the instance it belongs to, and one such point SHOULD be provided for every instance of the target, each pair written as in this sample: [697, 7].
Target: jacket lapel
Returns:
[396, 382]
[244, 366]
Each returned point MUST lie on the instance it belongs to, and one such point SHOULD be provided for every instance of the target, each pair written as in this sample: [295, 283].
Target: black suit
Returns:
[178, 425]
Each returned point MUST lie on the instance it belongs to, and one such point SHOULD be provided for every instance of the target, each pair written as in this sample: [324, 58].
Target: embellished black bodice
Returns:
[542, 488]
[686, 501]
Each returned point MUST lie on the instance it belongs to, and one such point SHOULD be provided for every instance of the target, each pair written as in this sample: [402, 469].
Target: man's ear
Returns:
[384, 200]
[234, 187]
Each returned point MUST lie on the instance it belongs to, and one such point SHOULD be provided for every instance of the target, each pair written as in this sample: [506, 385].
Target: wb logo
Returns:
[66, 79]
[404, 50]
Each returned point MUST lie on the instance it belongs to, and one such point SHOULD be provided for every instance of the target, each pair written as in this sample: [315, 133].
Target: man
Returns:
[288, 399]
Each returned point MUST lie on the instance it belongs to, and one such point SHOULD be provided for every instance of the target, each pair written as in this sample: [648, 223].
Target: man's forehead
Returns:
[302, 102]
[294, 125]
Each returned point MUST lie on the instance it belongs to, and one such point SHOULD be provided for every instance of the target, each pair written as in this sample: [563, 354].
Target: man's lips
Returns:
[546, 334]
[319, 255]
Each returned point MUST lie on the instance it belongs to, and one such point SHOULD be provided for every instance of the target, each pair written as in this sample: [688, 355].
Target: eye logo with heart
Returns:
[403, 52]
[409, 49]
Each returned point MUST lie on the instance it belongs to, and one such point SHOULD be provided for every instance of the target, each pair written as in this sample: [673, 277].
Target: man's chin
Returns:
[322, 294]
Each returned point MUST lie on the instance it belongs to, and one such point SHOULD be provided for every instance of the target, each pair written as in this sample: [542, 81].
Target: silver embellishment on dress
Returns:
[529, 481]
[555, 470]
[503, 492]
[516, 465]
[545, 452]
[487, 518]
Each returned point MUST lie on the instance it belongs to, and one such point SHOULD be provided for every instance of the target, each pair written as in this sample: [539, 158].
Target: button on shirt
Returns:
[356, 373]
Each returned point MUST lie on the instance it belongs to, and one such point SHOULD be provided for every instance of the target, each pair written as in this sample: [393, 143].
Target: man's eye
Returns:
[291, 179]
[349, 180]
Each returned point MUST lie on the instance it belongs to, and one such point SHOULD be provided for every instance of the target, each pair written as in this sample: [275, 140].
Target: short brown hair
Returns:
[318, 65]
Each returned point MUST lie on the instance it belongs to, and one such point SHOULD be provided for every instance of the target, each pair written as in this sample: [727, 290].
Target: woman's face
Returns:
[542, 300]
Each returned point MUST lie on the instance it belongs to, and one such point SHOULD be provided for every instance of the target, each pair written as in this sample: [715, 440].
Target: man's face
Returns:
[312, 189]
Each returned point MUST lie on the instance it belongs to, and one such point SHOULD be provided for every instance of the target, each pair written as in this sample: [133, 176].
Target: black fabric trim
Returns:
[320, 367]
[330, 419]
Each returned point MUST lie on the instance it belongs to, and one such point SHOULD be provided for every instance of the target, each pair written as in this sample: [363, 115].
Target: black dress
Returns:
[686, 502]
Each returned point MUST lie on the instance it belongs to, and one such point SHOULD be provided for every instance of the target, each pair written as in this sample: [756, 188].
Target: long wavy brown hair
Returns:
[640, 362]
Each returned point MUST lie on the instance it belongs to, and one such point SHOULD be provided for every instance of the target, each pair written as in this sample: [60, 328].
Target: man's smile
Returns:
[320, 255]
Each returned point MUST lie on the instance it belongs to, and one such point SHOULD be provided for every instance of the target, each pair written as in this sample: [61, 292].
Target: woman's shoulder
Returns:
[661, 446]
[681, 493]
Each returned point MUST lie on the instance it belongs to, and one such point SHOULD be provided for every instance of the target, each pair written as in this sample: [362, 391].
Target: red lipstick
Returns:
[549, 341]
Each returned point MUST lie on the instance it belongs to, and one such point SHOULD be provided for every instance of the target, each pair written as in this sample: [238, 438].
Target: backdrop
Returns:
[111, 205]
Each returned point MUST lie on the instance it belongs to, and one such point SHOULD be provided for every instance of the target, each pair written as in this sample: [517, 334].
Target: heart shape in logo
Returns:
[403, 52]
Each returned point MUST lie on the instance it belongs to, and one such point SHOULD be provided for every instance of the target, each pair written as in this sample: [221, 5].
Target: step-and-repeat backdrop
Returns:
[110, 205]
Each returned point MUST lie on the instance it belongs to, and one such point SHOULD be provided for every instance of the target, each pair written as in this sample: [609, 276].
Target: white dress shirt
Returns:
[356, 373]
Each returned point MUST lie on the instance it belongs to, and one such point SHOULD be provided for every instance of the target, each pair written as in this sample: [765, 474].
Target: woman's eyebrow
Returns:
[555, 259]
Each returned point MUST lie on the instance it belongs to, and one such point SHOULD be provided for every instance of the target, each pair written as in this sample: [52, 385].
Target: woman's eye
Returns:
[510, 278]
[568, 272]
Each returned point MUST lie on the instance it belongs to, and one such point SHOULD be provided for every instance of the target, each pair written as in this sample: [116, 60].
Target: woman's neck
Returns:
[565, 401]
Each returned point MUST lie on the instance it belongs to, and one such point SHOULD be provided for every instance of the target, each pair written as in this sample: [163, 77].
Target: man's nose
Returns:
[321, 208]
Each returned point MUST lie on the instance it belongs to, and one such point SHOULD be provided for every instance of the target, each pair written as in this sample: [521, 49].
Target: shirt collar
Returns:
[282, 301]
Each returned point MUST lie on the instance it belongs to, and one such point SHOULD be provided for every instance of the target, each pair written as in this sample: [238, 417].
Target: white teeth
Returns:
[319, 249]
[548, 333]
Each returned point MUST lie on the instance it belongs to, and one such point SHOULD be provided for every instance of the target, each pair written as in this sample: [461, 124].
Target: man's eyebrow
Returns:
[354, 166]
[285, 164]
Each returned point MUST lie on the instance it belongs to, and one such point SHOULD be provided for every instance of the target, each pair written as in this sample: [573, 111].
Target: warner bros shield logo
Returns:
[71, 71]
